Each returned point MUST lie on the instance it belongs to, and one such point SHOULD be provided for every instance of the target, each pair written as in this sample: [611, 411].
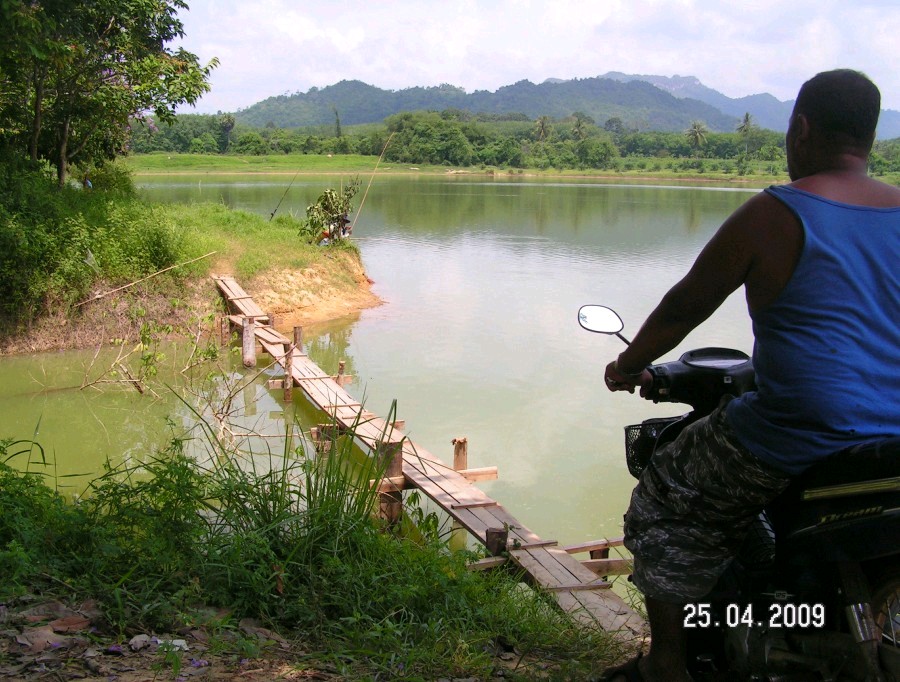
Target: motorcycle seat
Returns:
[867, 462]
[862, 522]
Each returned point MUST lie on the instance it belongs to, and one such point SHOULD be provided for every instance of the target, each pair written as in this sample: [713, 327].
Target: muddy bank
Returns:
[328, 290]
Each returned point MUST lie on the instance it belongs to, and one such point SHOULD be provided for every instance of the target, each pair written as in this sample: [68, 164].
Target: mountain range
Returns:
[642, 102]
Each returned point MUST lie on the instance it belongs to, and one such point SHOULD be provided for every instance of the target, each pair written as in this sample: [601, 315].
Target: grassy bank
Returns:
[720, 171]
[244, 559]
[62, 250]
[665, 169]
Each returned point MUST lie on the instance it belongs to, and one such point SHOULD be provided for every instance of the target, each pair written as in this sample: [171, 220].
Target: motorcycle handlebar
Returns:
[700, 378]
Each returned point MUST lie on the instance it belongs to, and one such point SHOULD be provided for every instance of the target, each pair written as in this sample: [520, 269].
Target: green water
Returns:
[478, 337]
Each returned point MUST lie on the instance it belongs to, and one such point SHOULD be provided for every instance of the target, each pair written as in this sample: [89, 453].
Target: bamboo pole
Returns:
[144, 279]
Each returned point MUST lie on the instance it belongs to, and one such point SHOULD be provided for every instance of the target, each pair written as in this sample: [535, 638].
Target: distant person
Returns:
[818, 259]
[86, 182]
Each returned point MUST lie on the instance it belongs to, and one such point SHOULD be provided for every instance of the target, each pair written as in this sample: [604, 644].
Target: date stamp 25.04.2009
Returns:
[777, 615]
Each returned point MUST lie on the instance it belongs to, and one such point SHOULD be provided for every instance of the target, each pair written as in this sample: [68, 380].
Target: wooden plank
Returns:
[601, 585]
[488, 563]
[542, 543]
[608, 566]
[479, 474]
[470, 505]
[567, 562]
[535, 568]
[594, 545]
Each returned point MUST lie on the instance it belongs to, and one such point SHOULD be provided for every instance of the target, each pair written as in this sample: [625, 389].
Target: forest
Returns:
[456, 137]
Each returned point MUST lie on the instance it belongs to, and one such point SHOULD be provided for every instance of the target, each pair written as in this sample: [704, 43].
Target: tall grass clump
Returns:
[57, 242]
[291, 540]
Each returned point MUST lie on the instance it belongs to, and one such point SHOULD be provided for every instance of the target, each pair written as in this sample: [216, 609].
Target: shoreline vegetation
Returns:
[228, 568]
[671, 170]
[68, 249]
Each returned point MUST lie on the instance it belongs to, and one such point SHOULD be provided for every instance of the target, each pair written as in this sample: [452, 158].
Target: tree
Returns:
[581, 125]
[696, 134]
[615, 126]
[328, 217]
[595, 152]
[337, 123]
[74, 74]
[226, 125]
[746, 125]
[542, 129]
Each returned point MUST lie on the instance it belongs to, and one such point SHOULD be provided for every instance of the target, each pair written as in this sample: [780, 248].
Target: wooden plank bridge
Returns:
[577, 586]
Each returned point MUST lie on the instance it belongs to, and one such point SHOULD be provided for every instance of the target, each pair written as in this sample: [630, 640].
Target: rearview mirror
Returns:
[600, 319]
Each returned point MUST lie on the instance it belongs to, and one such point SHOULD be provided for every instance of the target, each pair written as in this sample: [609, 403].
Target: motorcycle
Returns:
[814, 592]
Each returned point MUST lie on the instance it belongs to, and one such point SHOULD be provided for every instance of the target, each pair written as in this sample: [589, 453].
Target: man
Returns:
[818, 259]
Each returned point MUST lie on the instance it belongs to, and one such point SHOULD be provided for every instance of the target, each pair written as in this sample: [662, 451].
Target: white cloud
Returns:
[276, 46]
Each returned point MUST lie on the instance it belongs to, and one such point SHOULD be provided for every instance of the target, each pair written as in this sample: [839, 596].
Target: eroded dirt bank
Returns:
[331, 289]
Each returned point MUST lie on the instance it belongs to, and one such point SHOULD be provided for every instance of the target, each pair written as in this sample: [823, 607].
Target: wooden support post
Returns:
[224, 330]
[298, 338]
[272, 320]
[248, 341]
[324, 435]
[391, 503]
[289, 374]
[341, 378]
[495, 540]
[600, 553]
[460, 454]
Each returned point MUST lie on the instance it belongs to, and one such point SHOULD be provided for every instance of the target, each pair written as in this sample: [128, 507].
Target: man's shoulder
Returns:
[853, 189]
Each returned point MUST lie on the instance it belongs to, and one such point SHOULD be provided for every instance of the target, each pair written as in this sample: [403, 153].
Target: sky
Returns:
[276, 47]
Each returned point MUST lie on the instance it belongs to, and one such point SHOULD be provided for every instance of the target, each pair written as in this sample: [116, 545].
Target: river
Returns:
[481, 278]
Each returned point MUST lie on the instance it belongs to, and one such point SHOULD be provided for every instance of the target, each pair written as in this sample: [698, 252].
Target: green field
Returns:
[630, 167]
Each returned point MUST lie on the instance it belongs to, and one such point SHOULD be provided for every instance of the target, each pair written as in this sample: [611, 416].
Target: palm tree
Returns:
[580, 127]
[745, 127]
[696, 134]
[746, 124]
[542, 128]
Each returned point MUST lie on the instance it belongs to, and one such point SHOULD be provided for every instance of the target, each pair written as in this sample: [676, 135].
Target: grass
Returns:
[290, 540]
[59, 246]
[636, 168]
[168, 163]
[252, 242]
[675, 169]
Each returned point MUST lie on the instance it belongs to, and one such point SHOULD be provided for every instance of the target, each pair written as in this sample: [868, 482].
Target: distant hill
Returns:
[766, 110]
[642, 102]
[640, 105]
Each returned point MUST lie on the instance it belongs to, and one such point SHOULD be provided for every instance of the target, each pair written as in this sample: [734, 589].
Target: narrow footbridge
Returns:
[577, 585]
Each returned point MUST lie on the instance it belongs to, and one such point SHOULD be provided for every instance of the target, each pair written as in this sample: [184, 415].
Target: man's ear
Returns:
[801, 130]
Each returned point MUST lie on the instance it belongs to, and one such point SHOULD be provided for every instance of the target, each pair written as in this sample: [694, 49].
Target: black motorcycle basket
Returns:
[640, 441]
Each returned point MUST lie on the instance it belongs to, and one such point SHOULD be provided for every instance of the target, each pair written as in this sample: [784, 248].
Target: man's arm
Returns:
[724, 264]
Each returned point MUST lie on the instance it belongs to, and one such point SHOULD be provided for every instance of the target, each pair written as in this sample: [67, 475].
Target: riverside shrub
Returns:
[57, 242]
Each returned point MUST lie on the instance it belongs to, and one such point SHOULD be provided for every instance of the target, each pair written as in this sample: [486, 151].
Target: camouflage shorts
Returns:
[691, 509]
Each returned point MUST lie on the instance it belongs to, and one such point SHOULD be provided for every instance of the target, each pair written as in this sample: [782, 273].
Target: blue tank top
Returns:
[827, 350]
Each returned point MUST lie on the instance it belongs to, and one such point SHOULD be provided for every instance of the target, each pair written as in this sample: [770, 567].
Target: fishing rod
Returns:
[366, 193]
[272, 214]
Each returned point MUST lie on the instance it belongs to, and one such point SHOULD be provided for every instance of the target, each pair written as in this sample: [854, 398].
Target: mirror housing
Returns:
[600, 319]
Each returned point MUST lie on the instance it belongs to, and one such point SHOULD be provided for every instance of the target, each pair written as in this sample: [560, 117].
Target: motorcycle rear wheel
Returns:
[886, 612]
